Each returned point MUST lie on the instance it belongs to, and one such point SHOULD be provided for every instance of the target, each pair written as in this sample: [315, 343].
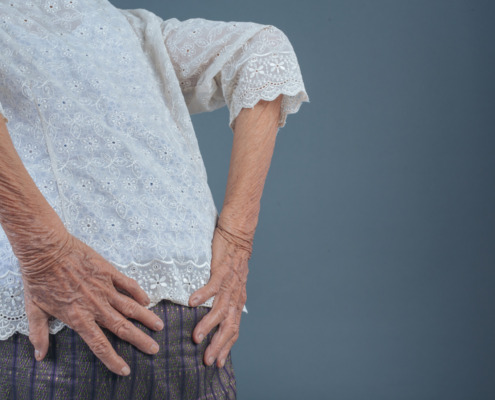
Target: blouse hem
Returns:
[161, 280]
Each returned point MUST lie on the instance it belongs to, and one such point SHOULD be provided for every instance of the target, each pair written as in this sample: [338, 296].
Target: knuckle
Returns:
[74, 318]
[127, 281]
[215, 347]
[226, 284]
[33, 338]
[73, 310]
[100, 348]
[223, 312]
[214, 286]
[121, 328]
[131, 309]
[133, 284]
[235, 329]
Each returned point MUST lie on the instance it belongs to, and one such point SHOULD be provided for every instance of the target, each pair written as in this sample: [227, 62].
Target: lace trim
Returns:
[171, 280]
[265, 77]
[294, 96]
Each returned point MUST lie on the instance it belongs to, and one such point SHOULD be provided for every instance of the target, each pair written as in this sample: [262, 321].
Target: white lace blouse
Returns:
[98, 101]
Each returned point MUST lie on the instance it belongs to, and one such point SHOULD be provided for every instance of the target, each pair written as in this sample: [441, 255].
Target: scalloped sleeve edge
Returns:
[293, 96]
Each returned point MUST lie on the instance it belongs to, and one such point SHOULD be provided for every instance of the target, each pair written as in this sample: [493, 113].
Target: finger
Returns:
[228, 329]
[207, 291]
[215, 316]
[131, 309]
[222, 357]
[130, 285]
[127, 331]
[101, 347]
[38, 330]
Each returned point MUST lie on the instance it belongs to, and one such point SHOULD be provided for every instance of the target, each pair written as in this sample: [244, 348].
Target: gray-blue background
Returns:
[373, 270]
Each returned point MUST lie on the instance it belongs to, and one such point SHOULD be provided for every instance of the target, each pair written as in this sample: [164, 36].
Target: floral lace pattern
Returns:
[160, 279]
[99, 100]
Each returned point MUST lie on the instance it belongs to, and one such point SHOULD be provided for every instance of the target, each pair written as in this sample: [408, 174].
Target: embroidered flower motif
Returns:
[130, 184]
[90, 143]
[82, 31]
[188, 50]
[68, 53]
[30, 152]
[51, 6]
[13, 296]
[158, 281]
[126, 136]
[156, 223]
[47, 187]
[113, 143]
[255, 71]
[189, 286]
[86, 185]
[77, 86]
[101, 30]
[277, 66]
[95, 83]
[107, 185]
[192, 225]
[63, 104]
[117, 118]
[151, 184]
[125, 58]
[69, 3]
[66, 145]
[89, 225]
[136, 223]
[112, 225]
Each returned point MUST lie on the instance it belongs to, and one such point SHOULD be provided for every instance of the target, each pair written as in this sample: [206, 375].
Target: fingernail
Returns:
[211, 360]
[195, 301]
[222, 363]
[201, 337]
[154, 348]
[37, 354]
[125, 371]
[159, 325]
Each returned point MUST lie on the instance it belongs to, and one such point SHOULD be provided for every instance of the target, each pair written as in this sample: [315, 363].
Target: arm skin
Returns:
[254, 141]
[62, 276]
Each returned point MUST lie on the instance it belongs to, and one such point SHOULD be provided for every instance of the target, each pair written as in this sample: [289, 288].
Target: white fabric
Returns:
[98, 102]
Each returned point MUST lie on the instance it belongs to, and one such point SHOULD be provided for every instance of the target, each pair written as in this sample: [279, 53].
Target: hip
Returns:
[71, 371]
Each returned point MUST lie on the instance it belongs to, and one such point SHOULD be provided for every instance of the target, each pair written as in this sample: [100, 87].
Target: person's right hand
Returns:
[72, 282]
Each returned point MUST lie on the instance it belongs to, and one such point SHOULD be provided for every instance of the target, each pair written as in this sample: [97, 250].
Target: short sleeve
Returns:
[234, 64]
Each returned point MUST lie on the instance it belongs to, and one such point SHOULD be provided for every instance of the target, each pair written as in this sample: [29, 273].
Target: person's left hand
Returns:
[229, 270]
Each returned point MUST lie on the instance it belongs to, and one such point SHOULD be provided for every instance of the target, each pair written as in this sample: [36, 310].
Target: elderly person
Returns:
[118, 277]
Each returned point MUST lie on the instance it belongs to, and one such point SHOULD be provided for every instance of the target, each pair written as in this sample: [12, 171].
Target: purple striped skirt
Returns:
[71, 371]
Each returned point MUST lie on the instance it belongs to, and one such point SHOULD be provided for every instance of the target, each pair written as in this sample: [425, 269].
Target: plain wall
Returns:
[372, 276]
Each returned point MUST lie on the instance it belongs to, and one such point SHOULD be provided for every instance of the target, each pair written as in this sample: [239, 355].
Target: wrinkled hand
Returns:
[228, 277]
[78, 286]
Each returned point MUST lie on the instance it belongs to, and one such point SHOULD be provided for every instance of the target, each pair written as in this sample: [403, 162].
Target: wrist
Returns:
[241, 222]
[38, 255]
[36, 235]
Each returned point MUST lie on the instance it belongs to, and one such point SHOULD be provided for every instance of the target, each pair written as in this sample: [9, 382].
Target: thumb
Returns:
[206, 292]
[38, 330]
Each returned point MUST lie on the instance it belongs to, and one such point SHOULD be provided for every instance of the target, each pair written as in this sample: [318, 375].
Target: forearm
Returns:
[254, 141]
[26, 217]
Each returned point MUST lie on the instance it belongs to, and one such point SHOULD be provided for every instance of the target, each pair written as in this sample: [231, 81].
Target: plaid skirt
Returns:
[71, 371]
